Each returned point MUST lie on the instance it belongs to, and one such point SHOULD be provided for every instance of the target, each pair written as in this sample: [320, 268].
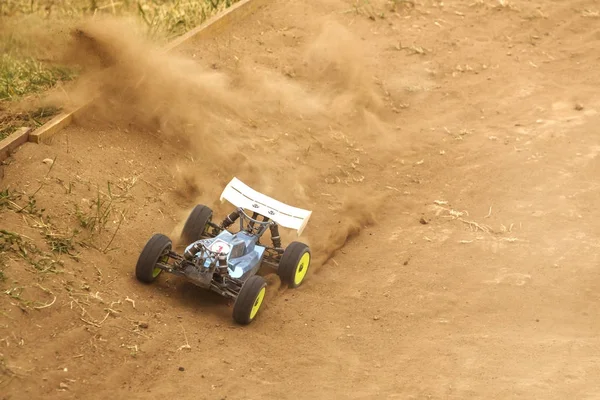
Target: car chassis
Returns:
[227, 262]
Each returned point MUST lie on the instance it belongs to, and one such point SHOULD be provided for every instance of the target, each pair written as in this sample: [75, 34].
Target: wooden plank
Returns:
[44, 132]
[14, 140]
[212, 26]
[219, 23]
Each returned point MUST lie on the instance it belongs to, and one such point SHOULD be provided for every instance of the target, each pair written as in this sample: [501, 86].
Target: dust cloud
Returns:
[277, 133]
[355, 214]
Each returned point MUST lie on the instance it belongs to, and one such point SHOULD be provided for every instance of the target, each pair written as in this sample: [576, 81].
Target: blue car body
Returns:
[244, 255]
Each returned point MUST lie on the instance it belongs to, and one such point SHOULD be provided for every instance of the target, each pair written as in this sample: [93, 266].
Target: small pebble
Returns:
[143, 325]
[181, 369]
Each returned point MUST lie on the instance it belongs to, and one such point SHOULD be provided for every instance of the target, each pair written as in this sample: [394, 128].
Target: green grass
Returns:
[18, 246]
[21, 76]
[95, 219]
[173, 14]
[2, 267]
[7, 130]
[12, 121]
[168, 19]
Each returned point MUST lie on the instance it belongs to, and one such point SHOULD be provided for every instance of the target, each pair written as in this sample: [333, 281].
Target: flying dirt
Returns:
[215, 116]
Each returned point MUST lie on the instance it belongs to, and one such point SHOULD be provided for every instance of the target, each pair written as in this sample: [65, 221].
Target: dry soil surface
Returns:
[448, 153]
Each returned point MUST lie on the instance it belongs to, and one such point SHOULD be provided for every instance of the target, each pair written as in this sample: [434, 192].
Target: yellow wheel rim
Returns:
[257, 303]
[302, 268]
[156, 271]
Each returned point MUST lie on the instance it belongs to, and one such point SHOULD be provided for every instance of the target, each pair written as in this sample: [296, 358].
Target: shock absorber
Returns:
[191, 251]
[275, 238]
[230, 219]
[222, 265]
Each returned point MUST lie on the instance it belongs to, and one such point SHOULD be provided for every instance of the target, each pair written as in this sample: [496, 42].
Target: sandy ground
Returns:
[448, 152]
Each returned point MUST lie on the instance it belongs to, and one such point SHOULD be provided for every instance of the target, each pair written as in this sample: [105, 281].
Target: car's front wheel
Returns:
[249, 300]
[196, 224]
[156, 250]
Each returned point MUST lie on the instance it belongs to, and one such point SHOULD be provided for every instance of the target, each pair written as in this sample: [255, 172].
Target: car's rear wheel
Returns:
[196, 224]
[294, 264]
[156, 250]
[249, 300]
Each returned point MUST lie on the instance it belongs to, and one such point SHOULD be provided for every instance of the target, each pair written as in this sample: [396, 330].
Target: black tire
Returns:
[153, 251]
[251, 294]
[294, 265]
[195, 225]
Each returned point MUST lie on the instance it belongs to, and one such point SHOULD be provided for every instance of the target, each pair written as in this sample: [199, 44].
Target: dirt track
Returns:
[475, 159]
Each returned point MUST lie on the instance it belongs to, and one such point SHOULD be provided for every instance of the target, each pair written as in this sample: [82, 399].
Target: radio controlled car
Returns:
[227, 262]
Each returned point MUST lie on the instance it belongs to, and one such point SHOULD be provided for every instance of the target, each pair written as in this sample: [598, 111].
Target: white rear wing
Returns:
[243, 196]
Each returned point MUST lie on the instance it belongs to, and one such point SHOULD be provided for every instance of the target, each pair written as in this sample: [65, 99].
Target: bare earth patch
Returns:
[448, 152]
